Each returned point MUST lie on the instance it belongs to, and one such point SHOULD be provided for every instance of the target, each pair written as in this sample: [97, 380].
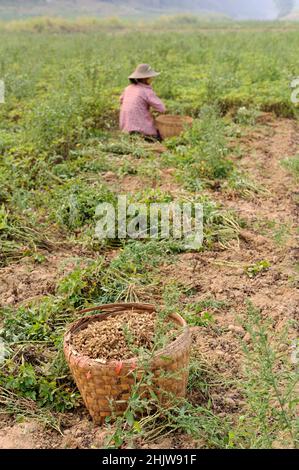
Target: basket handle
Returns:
[112, 307]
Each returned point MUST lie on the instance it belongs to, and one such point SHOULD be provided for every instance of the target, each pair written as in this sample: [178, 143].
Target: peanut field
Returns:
[61, 154]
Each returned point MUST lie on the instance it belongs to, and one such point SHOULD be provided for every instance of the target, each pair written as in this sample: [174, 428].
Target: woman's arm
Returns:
[155, 102]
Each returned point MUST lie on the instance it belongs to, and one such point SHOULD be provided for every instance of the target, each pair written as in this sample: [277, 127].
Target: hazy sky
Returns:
[239, 9]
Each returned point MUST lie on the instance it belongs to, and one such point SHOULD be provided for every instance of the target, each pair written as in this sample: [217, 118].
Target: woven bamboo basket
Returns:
[171, 126]
[106, 388]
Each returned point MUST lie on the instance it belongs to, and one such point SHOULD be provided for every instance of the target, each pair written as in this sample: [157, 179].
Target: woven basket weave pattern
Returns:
[171, 126]
[106, 388]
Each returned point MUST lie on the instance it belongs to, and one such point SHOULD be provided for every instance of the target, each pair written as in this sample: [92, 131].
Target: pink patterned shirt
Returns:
[135, 115]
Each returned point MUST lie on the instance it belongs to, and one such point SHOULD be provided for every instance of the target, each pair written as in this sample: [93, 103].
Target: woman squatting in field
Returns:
[136, 101]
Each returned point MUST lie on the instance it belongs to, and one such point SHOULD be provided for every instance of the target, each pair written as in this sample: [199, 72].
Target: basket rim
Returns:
[172, 118]
[67, 345]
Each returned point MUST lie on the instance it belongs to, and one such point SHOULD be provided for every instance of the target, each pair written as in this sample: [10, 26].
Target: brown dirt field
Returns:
[219, 274]
[27, 280]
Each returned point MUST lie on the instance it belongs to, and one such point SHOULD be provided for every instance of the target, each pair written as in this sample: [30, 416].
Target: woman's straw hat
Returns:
[144, 71]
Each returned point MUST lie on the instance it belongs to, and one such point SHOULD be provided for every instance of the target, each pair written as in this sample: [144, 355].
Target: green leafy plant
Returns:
[257, 268]
[270, 386]
[246, 116]
[292, 164]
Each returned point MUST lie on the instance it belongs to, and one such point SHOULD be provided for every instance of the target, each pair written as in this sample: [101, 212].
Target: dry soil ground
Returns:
[271, 235]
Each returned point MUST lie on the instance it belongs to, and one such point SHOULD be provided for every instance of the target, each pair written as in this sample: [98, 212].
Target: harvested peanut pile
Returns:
[118, 337]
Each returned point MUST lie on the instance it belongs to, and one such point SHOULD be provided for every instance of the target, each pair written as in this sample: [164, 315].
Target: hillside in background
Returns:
[238, 9]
